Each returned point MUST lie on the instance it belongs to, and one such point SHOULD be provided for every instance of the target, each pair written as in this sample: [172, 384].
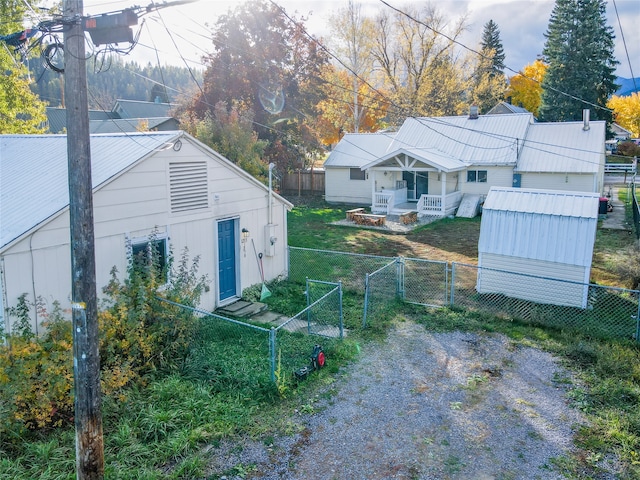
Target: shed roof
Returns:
[357, 149]
[549, 225]
[563, 147]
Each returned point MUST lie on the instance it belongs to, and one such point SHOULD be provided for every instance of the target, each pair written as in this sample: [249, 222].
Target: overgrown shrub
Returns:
[139, 334]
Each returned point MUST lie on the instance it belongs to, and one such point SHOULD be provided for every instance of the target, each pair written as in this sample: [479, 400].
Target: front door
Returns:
[226, 259]
[422, 184]
[417, 184]
[410, 178]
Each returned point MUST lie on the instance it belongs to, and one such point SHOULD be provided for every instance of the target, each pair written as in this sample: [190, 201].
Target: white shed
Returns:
[166, 183]
[542, 236]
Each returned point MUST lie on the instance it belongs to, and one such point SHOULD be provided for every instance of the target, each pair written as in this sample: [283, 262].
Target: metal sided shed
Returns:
[537, 245]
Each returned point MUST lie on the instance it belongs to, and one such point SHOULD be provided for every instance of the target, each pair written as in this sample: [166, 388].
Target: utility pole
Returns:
[86, 357]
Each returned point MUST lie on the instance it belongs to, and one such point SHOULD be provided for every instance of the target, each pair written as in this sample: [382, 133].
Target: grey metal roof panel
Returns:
[488, 139]
[139, 109]
[357, 149]
[34, 178]
[121, 125]
[547, 202]
[57, 118]
[563, 147]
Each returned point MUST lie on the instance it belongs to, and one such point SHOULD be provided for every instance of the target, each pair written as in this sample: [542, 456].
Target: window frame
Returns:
[140, 244]
[477, 176]
[357, 174]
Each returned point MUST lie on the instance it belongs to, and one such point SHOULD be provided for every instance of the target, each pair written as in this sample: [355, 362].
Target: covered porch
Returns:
[404, 181]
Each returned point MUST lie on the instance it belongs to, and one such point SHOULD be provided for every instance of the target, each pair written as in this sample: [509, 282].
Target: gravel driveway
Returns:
[425, 406]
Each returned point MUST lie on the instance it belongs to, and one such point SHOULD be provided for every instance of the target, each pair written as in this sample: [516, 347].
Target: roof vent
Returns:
[585, 119]
[473, 112]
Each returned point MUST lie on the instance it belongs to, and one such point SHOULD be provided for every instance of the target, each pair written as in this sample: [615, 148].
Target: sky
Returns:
[179, 35]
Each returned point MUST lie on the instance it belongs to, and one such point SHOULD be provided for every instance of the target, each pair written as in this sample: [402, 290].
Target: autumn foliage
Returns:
[140, 334]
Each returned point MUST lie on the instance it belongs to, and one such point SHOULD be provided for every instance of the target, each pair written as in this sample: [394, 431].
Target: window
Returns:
[151, 253]
[356, 174]
[477, 176]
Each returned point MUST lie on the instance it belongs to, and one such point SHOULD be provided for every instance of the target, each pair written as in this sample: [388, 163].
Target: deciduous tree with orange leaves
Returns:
[525, 88]
[626, 112]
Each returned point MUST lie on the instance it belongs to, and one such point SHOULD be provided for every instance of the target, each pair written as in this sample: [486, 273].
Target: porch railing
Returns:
[384, 201]
[439, 205]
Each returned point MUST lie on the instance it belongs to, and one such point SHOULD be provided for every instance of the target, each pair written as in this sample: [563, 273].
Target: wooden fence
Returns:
[303, 182]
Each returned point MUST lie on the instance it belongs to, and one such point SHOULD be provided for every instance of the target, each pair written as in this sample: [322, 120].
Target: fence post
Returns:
[272, 352]
[308, 303]
[638, 324]
[400, 277]
[453, 285]
[366, 300]
[340, 309]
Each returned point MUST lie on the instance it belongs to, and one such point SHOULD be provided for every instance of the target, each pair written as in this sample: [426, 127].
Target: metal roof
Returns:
[139, 109]
[34, 175]
[57, 118]
[563, 147]
[425, 156]
[548, 225]
[121, 125]
[357, 149]
[488, 139]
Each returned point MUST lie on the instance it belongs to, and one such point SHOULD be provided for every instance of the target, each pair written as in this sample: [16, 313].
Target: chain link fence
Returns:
[381, 289]
[592, 309]
[349, 268]
[320, 323]
[231, 352]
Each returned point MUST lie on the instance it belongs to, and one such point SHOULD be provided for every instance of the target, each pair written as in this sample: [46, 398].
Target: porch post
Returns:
[443, 191]
[372, 177]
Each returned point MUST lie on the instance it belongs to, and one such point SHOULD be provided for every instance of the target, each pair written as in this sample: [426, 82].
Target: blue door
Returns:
[517, 180]
[227, 259]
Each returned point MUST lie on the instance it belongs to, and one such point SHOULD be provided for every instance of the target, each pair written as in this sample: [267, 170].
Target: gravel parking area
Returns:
[425, 406]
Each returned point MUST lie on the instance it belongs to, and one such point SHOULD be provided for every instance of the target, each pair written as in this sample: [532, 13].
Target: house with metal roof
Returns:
[125, 116]
[430, 163]
[162, 187]
[345, 180]
[537, 245]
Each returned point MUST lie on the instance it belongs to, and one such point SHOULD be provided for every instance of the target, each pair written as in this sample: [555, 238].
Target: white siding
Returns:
[134, 205]
[557, 181]
[533, 280]
[339, 188]
[496, 177]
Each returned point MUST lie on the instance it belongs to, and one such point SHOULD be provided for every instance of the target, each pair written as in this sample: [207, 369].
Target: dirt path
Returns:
[427, 406]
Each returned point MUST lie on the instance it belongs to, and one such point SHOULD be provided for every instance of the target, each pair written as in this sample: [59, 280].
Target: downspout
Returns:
[271, 165]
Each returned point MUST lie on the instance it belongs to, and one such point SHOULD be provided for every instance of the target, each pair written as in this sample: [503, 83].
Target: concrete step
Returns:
[242, 309]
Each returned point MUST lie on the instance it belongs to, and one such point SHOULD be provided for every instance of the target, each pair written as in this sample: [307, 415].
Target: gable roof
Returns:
[34, 181]
[357, 149]
[34, 177]
[563, 147]
[121, 125]
[488, 139]
[57, 118]
[139, 109]
[504, 107]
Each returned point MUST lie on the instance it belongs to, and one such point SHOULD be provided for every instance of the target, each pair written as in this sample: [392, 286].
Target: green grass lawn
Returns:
[160, 430]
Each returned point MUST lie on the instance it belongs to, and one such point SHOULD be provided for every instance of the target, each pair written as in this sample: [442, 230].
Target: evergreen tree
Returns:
[579, 51]
[491, 47]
